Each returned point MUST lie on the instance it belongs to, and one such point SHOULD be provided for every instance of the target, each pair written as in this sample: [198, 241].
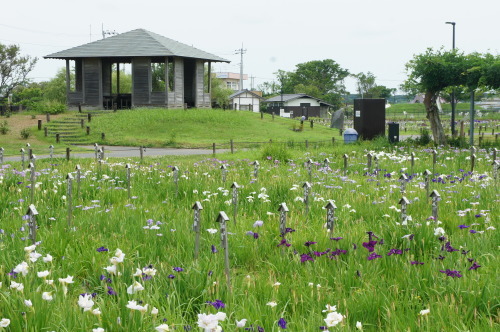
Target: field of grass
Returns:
[116, 255]
[200, 128]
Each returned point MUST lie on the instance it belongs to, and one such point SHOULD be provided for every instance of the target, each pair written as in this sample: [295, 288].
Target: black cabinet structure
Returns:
[369, 118]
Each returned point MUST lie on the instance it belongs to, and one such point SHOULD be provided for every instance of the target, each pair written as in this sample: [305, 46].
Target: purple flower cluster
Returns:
[217, 304]
[373, 256]
[451, 273]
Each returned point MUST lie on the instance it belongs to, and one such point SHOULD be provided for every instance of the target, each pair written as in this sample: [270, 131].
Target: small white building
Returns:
[297, 105]
[245, 100]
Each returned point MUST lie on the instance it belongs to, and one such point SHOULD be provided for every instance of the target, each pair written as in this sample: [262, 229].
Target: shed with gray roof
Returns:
[165, 73]
[298, 105]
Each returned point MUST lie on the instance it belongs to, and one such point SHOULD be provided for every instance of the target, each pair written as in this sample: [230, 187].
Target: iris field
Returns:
[119, 255]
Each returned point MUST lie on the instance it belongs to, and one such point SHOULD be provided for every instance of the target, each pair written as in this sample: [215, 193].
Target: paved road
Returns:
[124, 152]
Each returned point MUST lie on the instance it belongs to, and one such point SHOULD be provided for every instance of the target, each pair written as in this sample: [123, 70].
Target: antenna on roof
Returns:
[107, 32]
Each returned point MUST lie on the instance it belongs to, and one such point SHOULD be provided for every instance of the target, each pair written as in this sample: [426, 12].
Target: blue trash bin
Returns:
[350, 135]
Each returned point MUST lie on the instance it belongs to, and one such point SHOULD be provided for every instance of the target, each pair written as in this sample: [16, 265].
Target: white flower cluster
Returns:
[210, 322]
[333, 317]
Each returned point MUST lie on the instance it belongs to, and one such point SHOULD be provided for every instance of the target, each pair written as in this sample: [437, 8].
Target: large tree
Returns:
[435, 70]
[14, 68]
[364, 83]
[430, 73]
[322, 79]
[367, 88]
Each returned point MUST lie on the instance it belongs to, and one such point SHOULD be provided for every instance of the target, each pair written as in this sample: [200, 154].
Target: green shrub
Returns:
[275, 151]
[25, 133]
[4, 127]
[458, 142]
[424, 138]
[49, 106]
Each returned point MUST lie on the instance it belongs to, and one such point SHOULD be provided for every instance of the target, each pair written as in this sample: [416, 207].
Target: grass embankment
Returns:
[200, 128]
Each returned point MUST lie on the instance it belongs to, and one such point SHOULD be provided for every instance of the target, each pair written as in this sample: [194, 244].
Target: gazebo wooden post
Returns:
[67, 78]
[117, 79]
[209, 88]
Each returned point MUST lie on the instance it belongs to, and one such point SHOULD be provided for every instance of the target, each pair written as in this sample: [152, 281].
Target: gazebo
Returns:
[165, 73]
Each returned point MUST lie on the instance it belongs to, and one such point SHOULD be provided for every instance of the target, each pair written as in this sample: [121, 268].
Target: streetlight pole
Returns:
[453, 91]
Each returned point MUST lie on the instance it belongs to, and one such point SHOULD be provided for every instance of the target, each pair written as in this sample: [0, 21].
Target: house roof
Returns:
[135, 43]
[290, 97]
[236, 94]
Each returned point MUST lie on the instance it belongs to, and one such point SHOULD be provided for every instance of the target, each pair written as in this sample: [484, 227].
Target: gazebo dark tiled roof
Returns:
[135, 43]
[96, 72]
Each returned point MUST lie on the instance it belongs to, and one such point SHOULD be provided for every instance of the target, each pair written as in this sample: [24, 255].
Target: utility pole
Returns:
[241, 51]
[251, 82]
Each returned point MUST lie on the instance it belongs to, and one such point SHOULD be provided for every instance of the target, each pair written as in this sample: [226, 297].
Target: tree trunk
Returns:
[433, 116]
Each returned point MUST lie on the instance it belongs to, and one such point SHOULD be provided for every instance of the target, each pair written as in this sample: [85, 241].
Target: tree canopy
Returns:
[367, 87]
[14, 68]
[322, 79]
[435, 70]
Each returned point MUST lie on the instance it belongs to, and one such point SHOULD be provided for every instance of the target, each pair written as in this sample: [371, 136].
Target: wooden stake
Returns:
[197, 207]
[346, 157]
[235, 187]
[175, 169]
[69, 198]
[307, 188]
[330, 216]
[223, 169]
[127, 167]
[427, 180]
[283, 209]
[223, 219]
[435, 199]
[404, 218]
[32, 213]
[256, 169]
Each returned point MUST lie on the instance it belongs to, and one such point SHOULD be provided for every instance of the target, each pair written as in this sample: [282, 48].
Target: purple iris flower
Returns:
[394, 252]
[451, 273]
[102, 249]
[448, 247]
[282, 323]
[284, 243]
[305, 257]
[171, 276]
[416, 263]
[217, 304]
[463, 226]
[178, 269]
[214, 249]
[336, 238]
[373, 256]
[370, 245]
[474, 266]
[309, 243]
[111, 291]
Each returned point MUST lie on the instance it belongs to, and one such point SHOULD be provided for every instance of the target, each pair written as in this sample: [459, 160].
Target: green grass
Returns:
[200, 128]
[385, 294]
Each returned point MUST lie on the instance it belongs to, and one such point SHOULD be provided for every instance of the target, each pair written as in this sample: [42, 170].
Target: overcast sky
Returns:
[379, 36]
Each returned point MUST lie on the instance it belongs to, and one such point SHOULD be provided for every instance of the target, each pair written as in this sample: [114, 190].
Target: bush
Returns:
[458, 142]
[4, 127]
[48, 106]
[275, 151]
[25, 133]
